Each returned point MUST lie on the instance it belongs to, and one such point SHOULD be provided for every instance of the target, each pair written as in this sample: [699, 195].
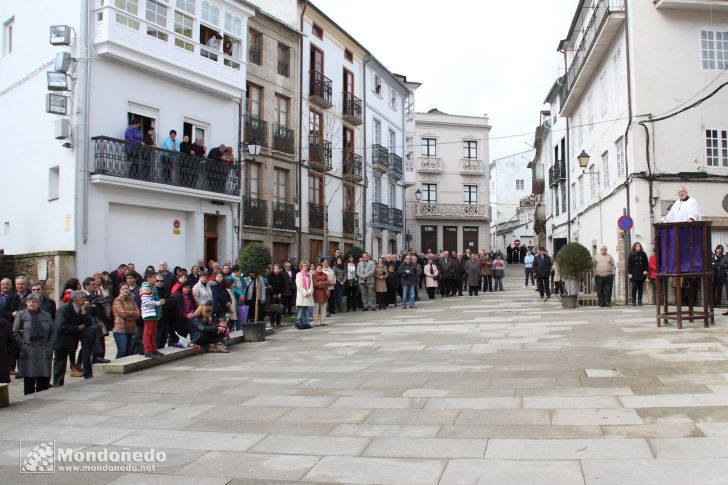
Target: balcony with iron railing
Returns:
[316, 216]
[320, 90]
[607, 17]
[380, 215]
[349, 220]
[557, 173]
[124, 160]
[255, 212]
[380, 158]
[395, 219]
[352, 109]
[284, 216]
[351, 170]
[395, 166]
[283, 139]
[319, 154]
[256, 129]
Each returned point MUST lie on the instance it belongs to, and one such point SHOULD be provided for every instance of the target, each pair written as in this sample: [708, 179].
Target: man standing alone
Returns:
[542, 267]
[603, 266]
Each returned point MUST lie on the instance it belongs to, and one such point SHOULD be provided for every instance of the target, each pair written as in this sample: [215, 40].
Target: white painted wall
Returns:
[504, 196]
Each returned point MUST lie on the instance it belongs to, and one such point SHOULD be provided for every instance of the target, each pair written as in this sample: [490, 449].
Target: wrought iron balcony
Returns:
[380, 214]
[316, 216]
[429, 164]
[118, 158]
[607, 16]
[284, 216]
[283, 138]
[452, 211]
[395, 166]
[380, 158]
[320, 91]
[350, 222]
[352, 167]
[256, 129]
[395, 218]
[557, 173]
[319, 153]
[255, 212]
[352, 109]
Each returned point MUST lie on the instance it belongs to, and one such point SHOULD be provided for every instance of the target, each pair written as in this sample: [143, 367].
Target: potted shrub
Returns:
[572, 260]
[254, 258]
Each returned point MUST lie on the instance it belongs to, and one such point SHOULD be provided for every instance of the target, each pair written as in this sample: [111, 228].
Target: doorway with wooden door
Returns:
[470, 238]
[450, 238]
[315, 250]
[428, 237]
[211, 236]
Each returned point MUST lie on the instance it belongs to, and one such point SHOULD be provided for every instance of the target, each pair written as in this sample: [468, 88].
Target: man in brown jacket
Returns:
[603, 266]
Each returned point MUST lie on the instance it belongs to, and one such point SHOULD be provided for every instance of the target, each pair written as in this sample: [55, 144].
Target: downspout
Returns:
[86, 34]
[299, 172]
[563, 157]
[366, 173]
[241, 162]
[626, 132]
[404, 185]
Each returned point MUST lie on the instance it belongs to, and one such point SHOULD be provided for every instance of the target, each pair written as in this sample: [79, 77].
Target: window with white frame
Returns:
[714, 46]
[562, 185]
[429, 147]
[392, 196]
[605, 169]
[252, 177]
[156, 15]
[54, 177]
[377, 125]
[429, 193]
[617, 79]
[131, 7]
[590, 111]
[619, 146]
[520, 184]
[604, 93]
[393, 98]
[233, 24]
[581, 190]
[392, 142]
[470, 194]
[409, 108]
[593, 182]
[716, 148]
[210, 13]
[232, 39]
[470, 149]
[377, 84]
[556, 205]
[8, 36]
[187, 6]
[377, 189]
[183, 29]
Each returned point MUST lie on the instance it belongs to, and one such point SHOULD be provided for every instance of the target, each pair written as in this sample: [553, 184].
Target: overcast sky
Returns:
[471, 56]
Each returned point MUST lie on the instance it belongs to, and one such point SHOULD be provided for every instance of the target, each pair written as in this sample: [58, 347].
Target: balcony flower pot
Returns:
[253, 332]
[572, 260]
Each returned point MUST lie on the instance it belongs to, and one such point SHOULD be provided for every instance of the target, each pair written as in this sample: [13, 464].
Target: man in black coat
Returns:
[447, 274]
[117, 278]
[8, 349]
[73, 323]
[542, 268]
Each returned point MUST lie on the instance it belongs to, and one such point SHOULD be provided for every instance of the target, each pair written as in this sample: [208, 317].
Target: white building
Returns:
[452, 183]
[628, 65]
[511, 207]
[88, 198]
[384, 98]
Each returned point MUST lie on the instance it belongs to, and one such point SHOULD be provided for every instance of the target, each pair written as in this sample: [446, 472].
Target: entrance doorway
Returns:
[450, 238]
[470, 238]
[428, 236]
[559, 242]
[392, 246]
[332, 248]
[315, 251]
[280, 252]
[211, 236]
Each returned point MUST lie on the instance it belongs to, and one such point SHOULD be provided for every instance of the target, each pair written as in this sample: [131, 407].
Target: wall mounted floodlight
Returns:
[60, 35]
[63, 62]
[57, 81]
[57, 104]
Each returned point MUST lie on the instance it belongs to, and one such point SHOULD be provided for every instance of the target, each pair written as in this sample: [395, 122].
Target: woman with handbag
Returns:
[432, 276]
[276, 283]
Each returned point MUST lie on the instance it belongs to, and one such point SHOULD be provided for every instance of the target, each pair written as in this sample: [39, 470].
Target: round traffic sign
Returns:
[625, 223]
[517, 242]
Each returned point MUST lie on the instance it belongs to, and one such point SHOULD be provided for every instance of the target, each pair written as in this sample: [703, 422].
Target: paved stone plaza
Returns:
[498, 389]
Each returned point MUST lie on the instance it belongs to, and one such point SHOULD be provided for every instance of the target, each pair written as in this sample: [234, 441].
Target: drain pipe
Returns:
[86, 34]
[299, 172]
[627, 235]
[365, 171]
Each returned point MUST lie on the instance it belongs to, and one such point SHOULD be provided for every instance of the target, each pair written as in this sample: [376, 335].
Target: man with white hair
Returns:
[684, 209]
[604, 267]
[169, 277]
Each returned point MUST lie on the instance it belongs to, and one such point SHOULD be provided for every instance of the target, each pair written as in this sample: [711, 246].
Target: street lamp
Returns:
[418, 195]
[254, 148]
[583, 159]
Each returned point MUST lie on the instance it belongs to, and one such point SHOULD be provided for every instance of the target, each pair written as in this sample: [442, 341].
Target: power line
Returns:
[21, 81]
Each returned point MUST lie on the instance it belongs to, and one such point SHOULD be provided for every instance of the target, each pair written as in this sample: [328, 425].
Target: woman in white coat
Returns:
[432, 275]
[304, 295]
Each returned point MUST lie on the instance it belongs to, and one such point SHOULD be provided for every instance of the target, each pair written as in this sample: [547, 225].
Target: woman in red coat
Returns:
[652, 275]
[320, 295]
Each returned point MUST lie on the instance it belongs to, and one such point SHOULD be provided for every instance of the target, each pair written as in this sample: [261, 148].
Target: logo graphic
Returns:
[40, 459]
